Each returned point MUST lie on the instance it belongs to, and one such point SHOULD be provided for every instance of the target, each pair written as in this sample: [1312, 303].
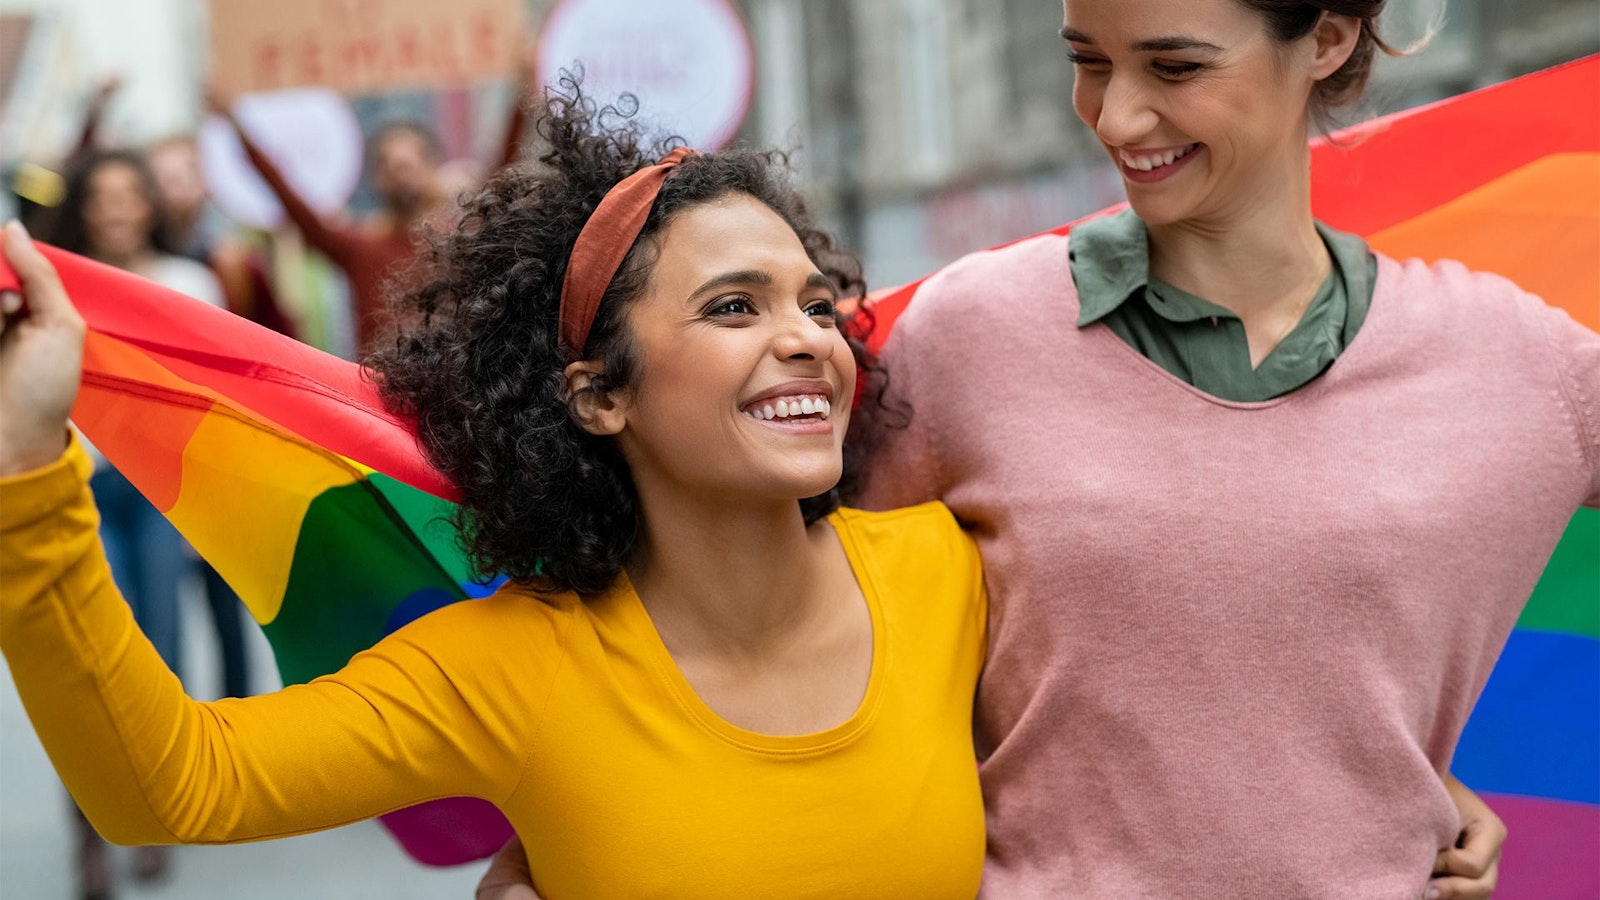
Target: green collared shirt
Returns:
[1199, 341]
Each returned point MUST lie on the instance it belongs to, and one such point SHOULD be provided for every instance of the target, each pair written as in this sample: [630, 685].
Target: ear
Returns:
[1335, 39]
[595, 412]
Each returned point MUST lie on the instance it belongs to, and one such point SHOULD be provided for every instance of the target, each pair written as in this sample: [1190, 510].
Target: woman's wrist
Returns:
[28, 456]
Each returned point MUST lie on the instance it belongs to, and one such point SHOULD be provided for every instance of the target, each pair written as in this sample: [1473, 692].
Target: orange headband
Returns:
[601, 247]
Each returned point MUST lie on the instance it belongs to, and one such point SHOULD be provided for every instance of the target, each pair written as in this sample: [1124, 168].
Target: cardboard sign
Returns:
[362, 46]
[313, 136]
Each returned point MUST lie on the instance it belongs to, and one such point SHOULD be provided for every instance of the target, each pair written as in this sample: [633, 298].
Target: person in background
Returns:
[201, 232]
[112, 213]
[415, 184]
[404, 158]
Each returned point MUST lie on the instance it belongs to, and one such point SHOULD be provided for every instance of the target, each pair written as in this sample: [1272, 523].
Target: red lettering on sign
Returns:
[307, 53]
[447, 58]
[485, 35]
[267, 64]
[361, 58]
[408, 49]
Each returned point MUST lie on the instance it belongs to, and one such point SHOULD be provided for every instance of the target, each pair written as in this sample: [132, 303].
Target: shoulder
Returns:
[532, 626]
[188, 277]
[1482, 311]
[971, 310]
[926, 573]
[922, 537]
[1448, 288]
[996, 281]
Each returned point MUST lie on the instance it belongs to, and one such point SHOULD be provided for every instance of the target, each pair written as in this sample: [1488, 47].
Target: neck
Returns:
[183, 223]
[132, 261]
[1259, 257]
[726, 577]
[405, 213]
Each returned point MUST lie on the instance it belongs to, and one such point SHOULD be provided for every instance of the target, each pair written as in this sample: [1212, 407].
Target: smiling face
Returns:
[1202, 111]
[745, 380]
[118, 212]
[176, 166]
[405, 171]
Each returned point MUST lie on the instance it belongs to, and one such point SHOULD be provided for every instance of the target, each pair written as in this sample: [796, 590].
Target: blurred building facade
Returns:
[929, 128]
[922, 128]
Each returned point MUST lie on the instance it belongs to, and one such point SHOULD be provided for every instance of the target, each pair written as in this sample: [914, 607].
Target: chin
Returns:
[1158, 211]
[802, 485]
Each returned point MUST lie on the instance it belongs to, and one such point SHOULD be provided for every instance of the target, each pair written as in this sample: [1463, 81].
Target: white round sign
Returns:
[688, 61]
[312, 135]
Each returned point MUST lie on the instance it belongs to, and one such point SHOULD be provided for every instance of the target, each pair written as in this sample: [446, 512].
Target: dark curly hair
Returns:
[477, 362]
[65, 226]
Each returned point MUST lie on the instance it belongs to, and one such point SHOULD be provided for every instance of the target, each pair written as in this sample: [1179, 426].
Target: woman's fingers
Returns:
[1465, 888]
[46, 299]
[41, 358]
[1471, 870]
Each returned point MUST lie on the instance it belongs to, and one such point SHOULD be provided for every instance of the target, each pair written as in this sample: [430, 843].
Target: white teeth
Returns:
[789, 408]
[1153, 161]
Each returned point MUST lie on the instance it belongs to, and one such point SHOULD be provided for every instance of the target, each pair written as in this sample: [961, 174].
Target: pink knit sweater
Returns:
[1233, 644]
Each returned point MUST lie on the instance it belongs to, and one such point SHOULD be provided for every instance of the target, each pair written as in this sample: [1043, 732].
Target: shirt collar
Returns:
[1110, 262]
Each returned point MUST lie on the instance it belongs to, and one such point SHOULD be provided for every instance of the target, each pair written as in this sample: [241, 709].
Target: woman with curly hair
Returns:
[704, 678]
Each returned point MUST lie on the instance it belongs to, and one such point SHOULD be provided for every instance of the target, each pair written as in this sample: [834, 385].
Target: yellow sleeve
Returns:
[429, 712]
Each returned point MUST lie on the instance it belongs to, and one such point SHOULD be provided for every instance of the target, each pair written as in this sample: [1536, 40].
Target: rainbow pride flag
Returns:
[280, 465]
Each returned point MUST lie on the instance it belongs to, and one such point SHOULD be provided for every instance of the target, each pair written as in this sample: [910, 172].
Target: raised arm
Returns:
[340, 244]
[94, 115]
[427, 713]
[526, 85]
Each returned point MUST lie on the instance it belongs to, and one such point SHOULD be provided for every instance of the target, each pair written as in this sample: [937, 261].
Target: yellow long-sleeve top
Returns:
[570, 716]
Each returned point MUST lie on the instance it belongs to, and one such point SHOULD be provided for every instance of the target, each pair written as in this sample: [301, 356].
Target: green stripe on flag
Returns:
[356, 559]
[1567, 598]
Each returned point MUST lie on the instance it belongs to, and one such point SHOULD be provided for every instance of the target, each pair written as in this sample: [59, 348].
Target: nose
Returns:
[802, 337]
[1126, 115]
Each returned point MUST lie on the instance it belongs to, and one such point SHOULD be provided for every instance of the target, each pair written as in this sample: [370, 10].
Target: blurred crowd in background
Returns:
[922, 129]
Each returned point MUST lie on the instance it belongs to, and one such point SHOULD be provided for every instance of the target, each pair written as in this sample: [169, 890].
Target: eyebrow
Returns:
[1152, 45]
[760, 278]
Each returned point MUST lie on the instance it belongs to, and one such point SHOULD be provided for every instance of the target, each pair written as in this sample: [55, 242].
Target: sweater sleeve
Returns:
[1577, 360]
[338, 244]
[426, 713]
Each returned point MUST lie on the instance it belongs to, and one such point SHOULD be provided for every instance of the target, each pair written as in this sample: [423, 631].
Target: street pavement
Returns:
[358, 862]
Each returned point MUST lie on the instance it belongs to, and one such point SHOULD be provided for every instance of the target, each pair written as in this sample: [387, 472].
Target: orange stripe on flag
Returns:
[104, 407]
[1537, 225]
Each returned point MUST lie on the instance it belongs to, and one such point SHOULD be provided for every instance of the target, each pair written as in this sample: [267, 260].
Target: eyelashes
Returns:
[1169, 71]
[729, 307]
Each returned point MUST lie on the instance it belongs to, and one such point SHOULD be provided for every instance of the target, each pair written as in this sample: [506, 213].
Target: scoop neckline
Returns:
[702, 714]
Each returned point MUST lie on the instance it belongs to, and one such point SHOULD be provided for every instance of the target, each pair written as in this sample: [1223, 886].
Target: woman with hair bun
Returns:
[705, 678]
[1258, 506]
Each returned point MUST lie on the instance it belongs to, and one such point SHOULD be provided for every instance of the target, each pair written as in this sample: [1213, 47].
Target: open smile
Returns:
[1148, 166]
[813, 407]
[794, 407]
